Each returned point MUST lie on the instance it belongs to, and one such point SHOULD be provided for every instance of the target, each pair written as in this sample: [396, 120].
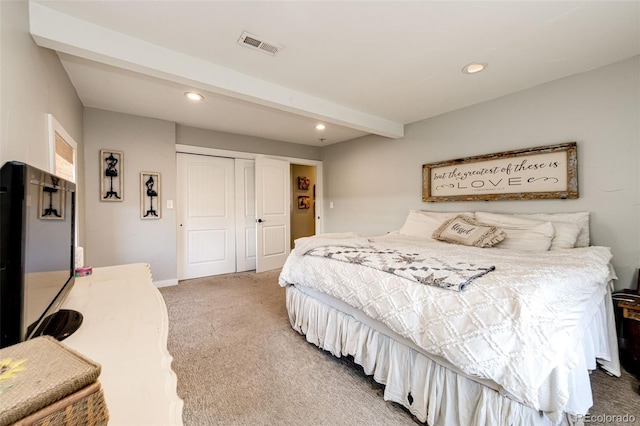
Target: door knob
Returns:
[260, 220]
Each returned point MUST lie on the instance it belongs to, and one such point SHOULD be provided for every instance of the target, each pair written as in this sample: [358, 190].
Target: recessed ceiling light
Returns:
[320, 126]
[474, 67]
[194, 96]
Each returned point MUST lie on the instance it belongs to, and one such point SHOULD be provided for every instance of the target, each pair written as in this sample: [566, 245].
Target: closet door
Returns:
[245, 215]
[273, 195]
[206, 216]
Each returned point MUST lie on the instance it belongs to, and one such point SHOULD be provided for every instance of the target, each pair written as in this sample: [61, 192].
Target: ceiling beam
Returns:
[64, 33]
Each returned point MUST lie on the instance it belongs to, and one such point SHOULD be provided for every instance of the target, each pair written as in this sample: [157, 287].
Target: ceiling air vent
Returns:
[255, 42]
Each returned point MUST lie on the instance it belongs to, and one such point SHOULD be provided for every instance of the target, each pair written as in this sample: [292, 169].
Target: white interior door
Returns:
[245, 171]
[206, 216]
[273, 188]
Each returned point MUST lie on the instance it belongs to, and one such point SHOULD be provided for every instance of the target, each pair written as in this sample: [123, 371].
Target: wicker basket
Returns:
[85, 407]
[43, 382]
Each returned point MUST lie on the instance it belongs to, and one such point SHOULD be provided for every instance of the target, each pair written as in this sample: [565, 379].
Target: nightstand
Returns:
[631, 319]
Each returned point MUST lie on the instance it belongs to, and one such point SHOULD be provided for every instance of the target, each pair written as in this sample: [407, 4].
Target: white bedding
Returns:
[519, 326]
[430, 388]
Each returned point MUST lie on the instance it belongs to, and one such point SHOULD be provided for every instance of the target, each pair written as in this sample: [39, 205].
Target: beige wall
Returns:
[33, 84]
[373, 181]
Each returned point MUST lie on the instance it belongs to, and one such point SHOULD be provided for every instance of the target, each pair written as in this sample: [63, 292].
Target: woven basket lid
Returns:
[39, 372]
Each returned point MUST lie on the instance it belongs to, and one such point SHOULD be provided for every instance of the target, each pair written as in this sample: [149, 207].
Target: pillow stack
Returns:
[526, 232]
[522, 234]
[422, 224]
[579, 219]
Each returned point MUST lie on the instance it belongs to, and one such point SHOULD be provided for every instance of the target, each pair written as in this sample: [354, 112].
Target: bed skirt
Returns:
[431, 392]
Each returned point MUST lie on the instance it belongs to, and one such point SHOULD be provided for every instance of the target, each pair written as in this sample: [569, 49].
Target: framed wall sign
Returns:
[526, 174]
[150, 195]
[111, 176]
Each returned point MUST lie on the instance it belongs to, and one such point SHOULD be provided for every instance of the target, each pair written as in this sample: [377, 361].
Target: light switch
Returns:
[169, 204]
[331, 205]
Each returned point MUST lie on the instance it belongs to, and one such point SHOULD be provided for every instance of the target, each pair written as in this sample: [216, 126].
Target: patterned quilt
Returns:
[421, 268]
[519, 326]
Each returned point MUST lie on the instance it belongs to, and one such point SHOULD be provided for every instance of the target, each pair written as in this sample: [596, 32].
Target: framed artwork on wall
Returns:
[304, 202]
[526, 174]
[303, 183]
[150, 195]
[111, 175]
[51, 200]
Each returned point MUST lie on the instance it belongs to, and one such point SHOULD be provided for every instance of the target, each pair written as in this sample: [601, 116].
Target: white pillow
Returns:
[581, 219]
[522, 234]
[422, 223]
[566, 235]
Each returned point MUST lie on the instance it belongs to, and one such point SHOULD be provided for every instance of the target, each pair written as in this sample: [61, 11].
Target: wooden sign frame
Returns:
[534, 173]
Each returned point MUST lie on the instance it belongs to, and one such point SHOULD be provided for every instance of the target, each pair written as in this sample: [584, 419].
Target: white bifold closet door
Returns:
[206, 222]
[218, 203]
[245, 171]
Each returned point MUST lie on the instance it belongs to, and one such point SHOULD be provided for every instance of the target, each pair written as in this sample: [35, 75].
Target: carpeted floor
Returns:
[239, 362]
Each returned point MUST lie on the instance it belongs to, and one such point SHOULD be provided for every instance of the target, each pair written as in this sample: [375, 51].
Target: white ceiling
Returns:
[360, 67]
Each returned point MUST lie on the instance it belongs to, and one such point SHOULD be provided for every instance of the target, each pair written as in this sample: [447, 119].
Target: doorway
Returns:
[303, 201]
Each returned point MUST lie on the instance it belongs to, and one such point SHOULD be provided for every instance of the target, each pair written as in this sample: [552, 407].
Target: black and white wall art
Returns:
[150, 195]
[111, 175]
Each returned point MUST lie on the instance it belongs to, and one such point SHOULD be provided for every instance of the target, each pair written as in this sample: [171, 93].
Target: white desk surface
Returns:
[125, 329]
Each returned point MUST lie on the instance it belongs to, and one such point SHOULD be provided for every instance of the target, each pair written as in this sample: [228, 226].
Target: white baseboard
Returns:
[166, 283]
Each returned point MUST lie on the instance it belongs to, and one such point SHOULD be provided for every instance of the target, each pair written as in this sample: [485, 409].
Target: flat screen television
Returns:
[37, 254]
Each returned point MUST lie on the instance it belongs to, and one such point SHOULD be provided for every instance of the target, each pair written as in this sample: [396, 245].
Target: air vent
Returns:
[255, 42]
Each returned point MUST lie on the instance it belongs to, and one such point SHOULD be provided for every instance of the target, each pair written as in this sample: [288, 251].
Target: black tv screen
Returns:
[37, 240]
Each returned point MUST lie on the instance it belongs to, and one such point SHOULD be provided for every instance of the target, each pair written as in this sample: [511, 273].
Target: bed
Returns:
[503, 334]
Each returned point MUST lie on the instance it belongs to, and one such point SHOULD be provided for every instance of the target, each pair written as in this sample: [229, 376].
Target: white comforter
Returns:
[518, 326]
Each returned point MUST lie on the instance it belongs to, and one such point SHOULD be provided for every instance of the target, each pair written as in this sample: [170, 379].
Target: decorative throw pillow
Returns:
[522, 234]
[465, 230]
[421, 223]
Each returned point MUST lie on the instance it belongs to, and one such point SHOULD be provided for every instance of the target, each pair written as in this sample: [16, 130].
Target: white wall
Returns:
[115, 233]
[33, 84]
[374, 181]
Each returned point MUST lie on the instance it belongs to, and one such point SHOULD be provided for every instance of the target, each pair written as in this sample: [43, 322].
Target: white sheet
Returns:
[518, 326]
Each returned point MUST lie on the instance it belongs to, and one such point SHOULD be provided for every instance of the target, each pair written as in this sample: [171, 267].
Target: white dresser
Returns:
[125, 329]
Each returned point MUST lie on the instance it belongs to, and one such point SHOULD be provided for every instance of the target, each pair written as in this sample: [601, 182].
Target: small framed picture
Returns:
[303, 183]
[111, 175]
[150, 195]
[51, 200]
[304, 202]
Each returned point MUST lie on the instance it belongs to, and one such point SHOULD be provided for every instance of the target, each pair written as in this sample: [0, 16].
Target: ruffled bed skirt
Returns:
[431, 392]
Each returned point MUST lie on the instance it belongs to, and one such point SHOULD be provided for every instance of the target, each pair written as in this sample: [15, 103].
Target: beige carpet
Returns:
[239, 362]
